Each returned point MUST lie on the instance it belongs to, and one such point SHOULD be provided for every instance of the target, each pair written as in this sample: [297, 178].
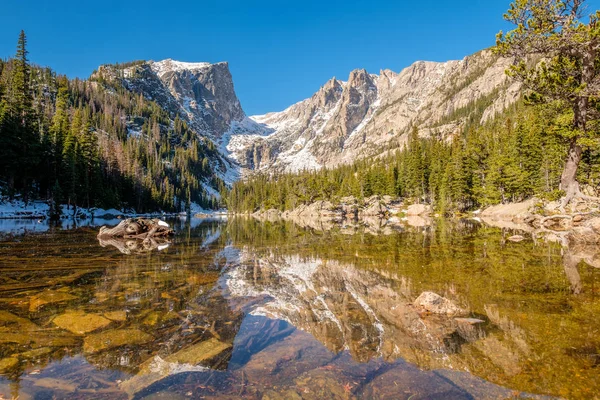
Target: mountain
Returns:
[370, 114]
[366, 115]
[200, 94]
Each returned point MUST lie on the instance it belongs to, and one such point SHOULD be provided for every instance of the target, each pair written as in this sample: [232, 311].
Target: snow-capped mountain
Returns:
[200, 93]
[369, 114]
[364, 116]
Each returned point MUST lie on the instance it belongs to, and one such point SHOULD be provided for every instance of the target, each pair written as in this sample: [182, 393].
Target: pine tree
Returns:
[569, 49]
[20, 132]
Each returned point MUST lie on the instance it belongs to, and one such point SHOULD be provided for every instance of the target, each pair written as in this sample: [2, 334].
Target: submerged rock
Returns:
[114, 338]
[117, 316]
[80, 323]
[36, 353]
[12, 321]
[56, 384]
[185, 360]
[49, 297]
[436, 304]
[8, 363]
[197, 353]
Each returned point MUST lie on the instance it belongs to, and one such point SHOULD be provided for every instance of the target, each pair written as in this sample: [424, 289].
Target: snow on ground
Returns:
[299, 161]
[134, 131]
[18, 209]
[188, 104]
[231, 173]
[197, 210]
[17, 217]
[211, 191]
[241, 133]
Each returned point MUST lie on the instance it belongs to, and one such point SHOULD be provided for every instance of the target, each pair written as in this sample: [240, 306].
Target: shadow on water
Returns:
[278, 310]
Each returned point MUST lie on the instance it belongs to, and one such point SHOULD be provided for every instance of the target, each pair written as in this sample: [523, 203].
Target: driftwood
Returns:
[137, 228]
[136, 235]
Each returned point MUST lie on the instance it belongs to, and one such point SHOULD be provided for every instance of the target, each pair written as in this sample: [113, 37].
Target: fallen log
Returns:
[137, 228]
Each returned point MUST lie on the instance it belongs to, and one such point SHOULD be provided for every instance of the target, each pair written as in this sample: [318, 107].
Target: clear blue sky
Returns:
[279, 52]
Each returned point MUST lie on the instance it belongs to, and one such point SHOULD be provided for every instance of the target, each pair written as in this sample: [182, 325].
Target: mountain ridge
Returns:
[366, 115]
[369, 114]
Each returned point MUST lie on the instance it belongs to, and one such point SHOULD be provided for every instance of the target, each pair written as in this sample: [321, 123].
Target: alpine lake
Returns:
[241, 308]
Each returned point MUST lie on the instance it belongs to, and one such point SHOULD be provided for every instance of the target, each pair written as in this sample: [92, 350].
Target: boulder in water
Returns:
[436, 304]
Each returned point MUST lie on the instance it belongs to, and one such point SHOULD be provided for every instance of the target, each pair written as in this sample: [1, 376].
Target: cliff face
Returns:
[200, 93]
[369, 114]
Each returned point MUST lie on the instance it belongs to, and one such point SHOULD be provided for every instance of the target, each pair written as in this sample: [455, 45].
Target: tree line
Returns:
[93, 143]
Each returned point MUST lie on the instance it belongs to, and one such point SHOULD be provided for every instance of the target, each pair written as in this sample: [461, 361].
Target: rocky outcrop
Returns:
[586, 233]
[346, 208]
[319, 208]
[579, 224]
[374, 207]
[418, 210]
[511, 211]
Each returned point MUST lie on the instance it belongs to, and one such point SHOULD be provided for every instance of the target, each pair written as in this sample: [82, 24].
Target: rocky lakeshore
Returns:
[372, 211]
[579, 223]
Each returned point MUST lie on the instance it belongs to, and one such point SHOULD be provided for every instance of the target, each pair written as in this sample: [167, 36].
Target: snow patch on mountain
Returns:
[302, 160]
[169, 65]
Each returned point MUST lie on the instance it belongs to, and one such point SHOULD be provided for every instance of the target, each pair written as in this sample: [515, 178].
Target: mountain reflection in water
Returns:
[274, 310]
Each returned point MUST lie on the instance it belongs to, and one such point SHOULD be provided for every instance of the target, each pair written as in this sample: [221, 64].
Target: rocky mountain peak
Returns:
[360, 78]
[365, 116]
[329, 93]
[205, 92]
[170, 65]
[386, 80]
[200, 93]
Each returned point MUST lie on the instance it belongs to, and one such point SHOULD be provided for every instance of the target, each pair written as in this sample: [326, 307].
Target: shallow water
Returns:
[276, 311]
